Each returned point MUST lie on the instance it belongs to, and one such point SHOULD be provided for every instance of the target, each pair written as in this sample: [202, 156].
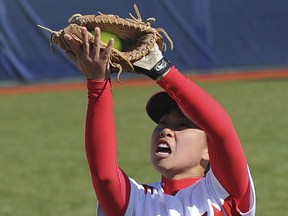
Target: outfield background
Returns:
[42, 163]
[209, 36]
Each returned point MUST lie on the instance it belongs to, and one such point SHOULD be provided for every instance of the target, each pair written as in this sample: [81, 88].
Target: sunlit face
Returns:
[178, 146]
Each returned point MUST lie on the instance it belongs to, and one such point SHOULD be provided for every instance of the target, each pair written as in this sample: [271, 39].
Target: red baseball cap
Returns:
[158, 104]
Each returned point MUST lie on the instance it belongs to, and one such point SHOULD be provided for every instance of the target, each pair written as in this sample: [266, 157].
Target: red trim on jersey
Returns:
[230, 207]
[172, 186]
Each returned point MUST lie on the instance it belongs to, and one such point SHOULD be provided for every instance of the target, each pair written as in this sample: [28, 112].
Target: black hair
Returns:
[207, 169]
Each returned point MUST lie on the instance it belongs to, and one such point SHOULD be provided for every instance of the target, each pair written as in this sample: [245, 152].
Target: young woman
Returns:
[193, 133]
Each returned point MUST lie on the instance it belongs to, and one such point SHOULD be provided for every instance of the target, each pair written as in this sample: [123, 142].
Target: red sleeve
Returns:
[111, 185]
[227, 157]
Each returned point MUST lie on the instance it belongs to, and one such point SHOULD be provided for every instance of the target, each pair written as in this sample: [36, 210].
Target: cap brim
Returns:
[158, 104]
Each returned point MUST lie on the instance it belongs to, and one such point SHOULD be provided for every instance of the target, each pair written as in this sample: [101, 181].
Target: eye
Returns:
[160, 126]
[180, 126]
[183, 125]
[162, 122]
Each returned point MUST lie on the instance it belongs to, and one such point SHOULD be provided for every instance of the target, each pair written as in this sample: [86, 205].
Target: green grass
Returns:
[43, 165]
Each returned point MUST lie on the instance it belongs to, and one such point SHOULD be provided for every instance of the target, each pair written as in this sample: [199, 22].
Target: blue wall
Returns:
[208, 34]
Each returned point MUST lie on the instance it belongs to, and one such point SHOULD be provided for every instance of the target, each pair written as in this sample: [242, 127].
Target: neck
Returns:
[172, 186]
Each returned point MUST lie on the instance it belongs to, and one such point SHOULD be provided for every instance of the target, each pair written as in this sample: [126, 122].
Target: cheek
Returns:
[193, 141]
[155, 135]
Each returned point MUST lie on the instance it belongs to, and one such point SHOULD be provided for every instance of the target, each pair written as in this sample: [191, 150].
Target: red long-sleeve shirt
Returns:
[226, 154]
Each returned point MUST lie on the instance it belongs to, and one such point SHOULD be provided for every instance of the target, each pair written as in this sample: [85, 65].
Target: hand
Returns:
[92, 61]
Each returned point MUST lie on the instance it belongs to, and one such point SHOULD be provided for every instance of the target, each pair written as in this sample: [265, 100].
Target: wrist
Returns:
[159, 78]
[95, 85]
[158, 71]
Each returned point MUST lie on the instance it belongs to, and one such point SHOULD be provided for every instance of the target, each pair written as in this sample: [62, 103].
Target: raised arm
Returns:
[111, 185]
[227, 157]
[226, 154]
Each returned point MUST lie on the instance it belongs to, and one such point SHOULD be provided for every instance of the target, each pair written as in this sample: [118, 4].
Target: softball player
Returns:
[193, 133]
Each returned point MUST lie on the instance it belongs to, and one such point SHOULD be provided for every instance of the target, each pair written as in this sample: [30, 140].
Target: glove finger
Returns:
[73, 44]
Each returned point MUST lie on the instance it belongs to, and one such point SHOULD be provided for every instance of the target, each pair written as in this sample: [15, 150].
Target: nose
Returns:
[166, 132]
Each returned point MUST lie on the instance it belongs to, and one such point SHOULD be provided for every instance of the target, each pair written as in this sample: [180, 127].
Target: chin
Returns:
[161, 167]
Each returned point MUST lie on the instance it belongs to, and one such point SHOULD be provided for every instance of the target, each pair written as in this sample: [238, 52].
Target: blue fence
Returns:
[208, 35]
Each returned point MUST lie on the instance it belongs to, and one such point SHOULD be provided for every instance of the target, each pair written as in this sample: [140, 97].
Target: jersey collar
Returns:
[172, 186]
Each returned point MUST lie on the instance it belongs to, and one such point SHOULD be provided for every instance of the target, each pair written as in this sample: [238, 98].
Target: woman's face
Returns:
[178, 147]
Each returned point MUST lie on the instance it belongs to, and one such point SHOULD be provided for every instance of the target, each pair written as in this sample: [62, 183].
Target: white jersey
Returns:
[206, 197]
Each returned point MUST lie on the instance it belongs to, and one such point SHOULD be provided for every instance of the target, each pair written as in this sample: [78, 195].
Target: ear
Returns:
[204, 159]
[205, 155]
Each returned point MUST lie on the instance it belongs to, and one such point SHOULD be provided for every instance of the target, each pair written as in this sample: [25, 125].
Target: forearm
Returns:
[110, 183]
[197, 103]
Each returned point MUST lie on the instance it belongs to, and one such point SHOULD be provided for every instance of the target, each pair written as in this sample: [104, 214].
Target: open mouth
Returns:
[163, 148]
